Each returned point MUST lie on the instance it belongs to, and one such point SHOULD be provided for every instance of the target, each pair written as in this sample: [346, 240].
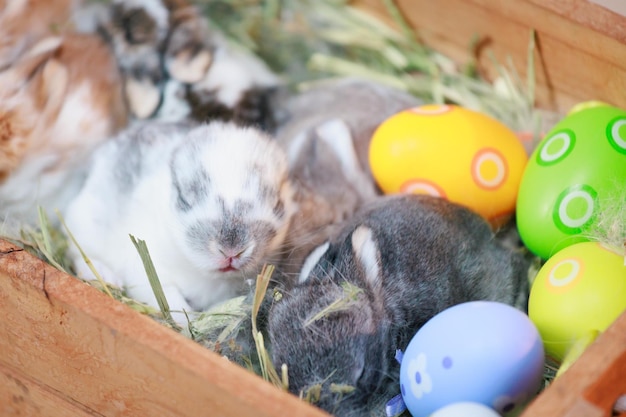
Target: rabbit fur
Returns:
[58, 100]
[176, 66]
[212, 202]
[409, 257]
[325, 131]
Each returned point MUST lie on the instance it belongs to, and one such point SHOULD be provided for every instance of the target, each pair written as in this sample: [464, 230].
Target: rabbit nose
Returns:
[228, 263]
[229, 266]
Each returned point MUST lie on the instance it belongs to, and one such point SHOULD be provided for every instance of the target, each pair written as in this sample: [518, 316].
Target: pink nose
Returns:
[228, 263]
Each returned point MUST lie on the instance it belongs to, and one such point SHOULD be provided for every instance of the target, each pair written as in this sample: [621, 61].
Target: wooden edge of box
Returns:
[580, 51]
[68, 349]
[590, 387]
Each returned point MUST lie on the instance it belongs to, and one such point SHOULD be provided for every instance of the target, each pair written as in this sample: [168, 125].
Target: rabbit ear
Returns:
[28, 65]
[311, 261]
[368, 256]
[295, 147]
[55, 82]
[188, 55]
[337, 135]
[143, 96]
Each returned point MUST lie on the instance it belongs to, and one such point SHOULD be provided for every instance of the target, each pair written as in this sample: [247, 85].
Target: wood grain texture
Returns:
[590, 387]
[23, 397]
[581, 47]
[68, 343]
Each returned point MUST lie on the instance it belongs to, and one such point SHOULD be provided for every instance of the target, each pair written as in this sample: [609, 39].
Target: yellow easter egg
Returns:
[578, 291]
[451, 152]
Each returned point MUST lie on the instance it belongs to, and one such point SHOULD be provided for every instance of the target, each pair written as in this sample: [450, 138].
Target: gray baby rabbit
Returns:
[326, 131]
[361, 104]
[400, 261]
[213, 202]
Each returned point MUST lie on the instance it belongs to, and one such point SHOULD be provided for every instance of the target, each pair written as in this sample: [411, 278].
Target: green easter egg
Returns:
[579, 162]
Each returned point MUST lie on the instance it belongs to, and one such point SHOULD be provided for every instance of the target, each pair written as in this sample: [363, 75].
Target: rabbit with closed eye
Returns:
[213, 202]
[365, 293]
[58, 100]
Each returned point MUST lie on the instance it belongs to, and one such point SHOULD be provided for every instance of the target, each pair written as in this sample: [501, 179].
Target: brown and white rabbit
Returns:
[175, 66]
[58, 100]
[397, 263]
[213, 203]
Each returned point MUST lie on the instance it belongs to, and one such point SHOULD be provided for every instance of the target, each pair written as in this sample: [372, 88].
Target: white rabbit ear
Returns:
[368, 256]
[336, 133]
[143, 96]
[311, 261]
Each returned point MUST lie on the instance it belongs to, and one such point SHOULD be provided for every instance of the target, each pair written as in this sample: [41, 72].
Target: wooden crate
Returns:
[68, 350]
[581, 46]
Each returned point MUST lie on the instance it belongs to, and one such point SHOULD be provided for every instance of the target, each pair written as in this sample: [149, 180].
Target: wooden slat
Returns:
[100, 355]
[590, 387]
[581, 52]
[21, 396]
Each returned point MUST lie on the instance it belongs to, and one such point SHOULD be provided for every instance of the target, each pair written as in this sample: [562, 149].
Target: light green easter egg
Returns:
[578, 291]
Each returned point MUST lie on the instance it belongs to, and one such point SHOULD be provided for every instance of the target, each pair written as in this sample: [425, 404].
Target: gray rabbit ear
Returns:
[311, 261]
[368, 256]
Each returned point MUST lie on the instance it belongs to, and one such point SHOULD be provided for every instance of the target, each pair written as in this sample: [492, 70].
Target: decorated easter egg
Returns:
[578, 164]
[451, 152]
[579, 290]
[465, 409]
[480, 351]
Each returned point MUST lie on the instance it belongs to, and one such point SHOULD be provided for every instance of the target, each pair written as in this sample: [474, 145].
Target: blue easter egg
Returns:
[480, 351]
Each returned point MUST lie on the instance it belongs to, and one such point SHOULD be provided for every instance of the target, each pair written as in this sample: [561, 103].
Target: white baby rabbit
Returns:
[397, 263]
[58, 100]
[213, 203]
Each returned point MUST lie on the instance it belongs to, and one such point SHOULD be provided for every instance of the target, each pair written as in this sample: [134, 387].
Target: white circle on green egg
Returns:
[616, 133]
[556, 147]
[574, 208]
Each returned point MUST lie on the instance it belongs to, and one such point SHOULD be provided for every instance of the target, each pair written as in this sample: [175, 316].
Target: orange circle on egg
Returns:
[489, 169]
[422, 186]
[565, 275]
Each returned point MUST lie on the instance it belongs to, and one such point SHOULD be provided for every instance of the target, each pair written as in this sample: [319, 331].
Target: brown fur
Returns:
[20, 27]
[29, 113]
